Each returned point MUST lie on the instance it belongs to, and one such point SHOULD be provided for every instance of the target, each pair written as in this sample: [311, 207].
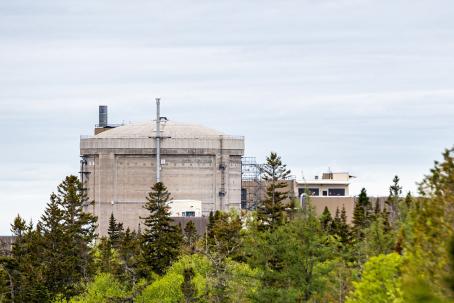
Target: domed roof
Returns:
[168, 129]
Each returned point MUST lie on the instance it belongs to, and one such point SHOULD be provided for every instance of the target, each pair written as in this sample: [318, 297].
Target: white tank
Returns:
[185, 208]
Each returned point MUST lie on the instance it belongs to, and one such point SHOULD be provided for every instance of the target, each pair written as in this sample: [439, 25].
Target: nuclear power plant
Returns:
[120, 164]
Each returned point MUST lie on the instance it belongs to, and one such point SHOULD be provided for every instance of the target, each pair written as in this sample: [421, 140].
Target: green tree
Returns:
[431, 225]
[377, 239]
[115, 231]
[271, 212]
[224, 244]
[129, 255]
[326, 220]
[26, 268]
[288, 259]
[105, 288]
[167, 288]
[361, 214]
[54, 249]
[161, 239]
[340, 227]
[190, 237]
[450, 274]
[393, 202]
[380, 281]
[188, 287]
[78, 234]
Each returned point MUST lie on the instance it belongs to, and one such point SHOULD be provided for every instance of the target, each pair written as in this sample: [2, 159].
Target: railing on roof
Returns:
[151, 137]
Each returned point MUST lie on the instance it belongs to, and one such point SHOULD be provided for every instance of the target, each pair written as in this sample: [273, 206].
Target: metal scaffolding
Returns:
[251, 183]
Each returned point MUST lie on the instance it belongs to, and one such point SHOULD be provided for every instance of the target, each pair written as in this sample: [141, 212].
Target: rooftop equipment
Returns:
[103, 116]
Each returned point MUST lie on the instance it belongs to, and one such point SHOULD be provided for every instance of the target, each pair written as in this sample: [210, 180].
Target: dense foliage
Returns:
[399, 249]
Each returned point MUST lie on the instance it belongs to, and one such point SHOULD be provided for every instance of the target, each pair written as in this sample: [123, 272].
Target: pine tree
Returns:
[450, 274]
[340, 226]
[188, 287]
[115, 231]
[129, 254]
[431, 222]
[190, 236]
[393, 201]
[271, 212]
[69, 233]
[104, 262]
[377, 209]
[326, 220]
[27, 267]
[361, 214]
[54, 246]
[161, 239]
[344, 228]
[226, 234]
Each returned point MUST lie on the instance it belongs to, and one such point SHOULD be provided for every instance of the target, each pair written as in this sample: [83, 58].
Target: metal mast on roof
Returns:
[158, 140]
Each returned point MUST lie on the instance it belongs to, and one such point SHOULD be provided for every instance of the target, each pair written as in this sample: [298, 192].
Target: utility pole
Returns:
[158, 140]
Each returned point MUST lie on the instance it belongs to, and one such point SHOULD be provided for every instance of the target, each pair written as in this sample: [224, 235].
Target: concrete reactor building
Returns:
[120, 164]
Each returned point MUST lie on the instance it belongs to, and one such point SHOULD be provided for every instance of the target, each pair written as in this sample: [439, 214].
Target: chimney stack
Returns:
[103, 116]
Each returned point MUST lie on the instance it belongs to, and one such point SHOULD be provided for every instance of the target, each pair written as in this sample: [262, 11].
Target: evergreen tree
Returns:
[115, 231]
[385, 214]
[289, 258]
[393, 201]
[450, 274]
[377, 209]
[271, 212]
[188, 287]
[68, 235]
[79, 230]
[105, 259]
[212, 219]
[224, 243]
[431, 221]
[129, 254]
[340, 226]
[361, 214]
[326, 220]
[27, 267]
[54, 246]
[226, 234]
[161, 239]
[190, 236]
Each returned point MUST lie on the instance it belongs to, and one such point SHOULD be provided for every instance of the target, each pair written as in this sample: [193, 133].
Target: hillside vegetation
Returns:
[402, 251]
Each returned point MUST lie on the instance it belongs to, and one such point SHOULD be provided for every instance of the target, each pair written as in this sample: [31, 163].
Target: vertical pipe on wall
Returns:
[158, 140]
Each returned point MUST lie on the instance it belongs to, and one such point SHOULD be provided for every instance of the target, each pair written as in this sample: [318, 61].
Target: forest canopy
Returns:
[398, 251]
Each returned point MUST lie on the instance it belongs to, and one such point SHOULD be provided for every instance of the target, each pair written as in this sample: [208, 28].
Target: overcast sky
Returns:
[352, 85]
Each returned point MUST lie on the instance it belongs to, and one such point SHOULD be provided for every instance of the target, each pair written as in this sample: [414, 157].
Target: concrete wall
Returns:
[334, 203]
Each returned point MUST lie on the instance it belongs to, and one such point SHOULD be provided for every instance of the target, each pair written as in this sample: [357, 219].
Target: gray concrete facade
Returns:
[197, 163]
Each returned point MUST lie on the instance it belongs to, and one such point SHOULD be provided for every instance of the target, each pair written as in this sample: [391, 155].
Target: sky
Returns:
[348, 85]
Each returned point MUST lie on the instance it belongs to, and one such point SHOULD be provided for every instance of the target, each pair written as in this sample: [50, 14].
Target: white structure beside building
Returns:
[329, 185]
[185, 208]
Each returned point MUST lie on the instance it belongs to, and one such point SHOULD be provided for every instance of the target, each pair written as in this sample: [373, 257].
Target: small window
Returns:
[336, 192]
[314, 191]
[243, 198]
[325, 193]
[188, 214]
[310, 191]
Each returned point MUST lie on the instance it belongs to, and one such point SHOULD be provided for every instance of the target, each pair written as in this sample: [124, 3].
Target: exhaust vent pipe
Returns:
[103, 116]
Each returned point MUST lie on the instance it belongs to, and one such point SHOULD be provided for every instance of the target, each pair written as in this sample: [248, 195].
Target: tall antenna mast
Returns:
[158, 140]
